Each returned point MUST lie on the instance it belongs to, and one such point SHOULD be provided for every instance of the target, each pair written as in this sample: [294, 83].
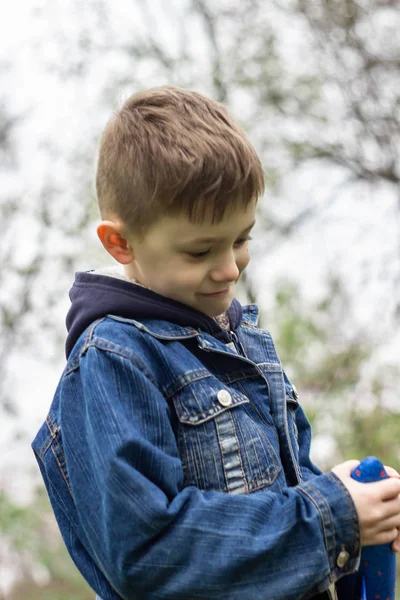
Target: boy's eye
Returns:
[198, 254]
[238, 242]
[242, 241]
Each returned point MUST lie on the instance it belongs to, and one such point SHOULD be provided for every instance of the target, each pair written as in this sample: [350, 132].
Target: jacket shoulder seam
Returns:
[102, 344]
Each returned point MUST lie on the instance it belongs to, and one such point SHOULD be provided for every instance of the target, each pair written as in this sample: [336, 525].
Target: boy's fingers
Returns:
[391, 520]
[388, 488]
[392, 472]
[345, 468]
[396, 543]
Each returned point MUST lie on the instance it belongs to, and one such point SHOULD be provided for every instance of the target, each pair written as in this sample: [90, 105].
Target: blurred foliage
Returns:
[374, 431]
[329, 368]
[34, 536]
[56, 590]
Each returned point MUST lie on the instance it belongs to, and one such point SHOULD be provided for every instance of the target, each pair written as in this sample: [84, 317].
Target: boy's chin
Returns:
[218, 310]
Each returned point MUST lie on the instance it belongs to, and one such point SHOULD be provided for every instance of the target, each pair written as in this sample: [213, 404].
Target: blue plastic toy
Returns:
[377, 573]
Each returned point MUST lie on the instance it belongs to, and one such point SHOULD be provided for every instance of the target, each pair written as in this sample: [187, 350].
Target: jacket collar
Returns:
[165, 330]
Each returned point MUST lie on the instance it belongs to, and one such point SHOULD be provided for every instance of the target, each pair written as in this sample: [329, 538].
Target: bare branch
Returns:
[211, 25]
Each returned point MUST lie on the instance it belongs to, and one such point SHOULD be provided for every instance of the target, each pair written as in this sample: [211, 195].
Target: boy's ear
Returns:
[110, 235]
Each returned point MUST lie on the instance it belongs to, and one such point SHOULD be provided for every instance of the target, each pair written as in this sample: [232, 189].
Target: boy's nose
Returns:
[226, 271]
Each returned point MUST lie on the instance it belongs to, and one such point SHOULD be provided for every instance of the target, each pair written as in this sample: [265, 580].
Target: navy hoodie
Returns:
[94, 296]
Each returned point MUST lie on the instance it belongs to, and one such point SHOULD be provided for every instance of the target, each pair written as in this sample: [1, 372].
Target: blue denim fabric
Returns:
[163, 488]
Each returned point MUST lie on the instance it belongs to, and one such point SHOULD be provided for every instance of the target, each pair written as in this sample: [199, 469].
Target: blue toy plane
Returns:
[376, 578]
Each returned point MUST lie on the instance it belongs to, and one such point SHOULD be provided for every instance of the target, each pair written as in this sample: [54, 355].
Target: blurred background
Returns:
[316, 85]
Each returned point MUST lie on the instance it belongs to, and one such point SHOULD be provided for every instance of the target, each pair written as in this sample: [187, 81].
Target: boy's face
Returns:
[197, 264]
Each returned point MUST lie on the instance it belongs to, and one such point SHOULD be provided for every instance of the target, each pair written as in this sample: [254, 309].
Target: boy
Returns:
[175, 453]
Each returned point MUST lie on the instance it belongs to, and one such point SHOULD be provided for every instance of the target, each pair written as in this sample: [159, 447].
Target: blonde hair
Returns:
[170, 150]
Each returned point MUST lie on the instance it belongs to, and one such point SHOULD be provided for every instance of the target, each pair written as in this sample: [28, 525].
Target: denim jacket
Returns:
[178, 468]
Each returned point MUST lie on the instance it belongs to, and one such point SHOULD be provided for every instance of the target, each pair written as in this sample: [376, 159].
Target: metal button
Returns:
[224, 398]
[295, 393]
[342, 559]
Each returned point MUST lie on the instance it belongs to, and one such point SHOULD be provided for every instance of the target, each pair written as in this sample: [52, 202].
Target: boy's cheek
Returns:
[243, 261]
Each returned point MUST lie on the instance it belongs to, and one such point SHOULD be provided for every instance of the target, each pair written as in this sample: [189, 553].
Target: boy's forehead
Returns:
[233, 223]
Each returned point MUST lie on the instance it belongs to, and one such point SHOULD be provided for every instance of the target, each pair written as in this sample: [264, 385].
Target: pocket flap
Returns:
[202, 400]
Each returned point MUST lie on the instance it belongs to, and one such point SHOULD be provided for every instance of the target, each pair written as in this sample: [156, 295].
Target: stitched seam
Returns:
[90, 332]
[351, 507]
[47, 442]
[239, 453]
[44, 447]
[260, 416]
[292, 418]
[170, 336]
[182, 444]
[274, 458]
[204, 374]
[267, 442]
[221, 454]
[119, 352]
[54, 430]
[262, 482]
[248, 325]
[86, 343]
[276, 365]
[316, 504]
[72, 366]
[51, 425]
[199, 375]
[236, 376]
[62, 471]
[295, 462]
[266, 479]
[56, 441]
[208, 417]
[253, 311]
[330, 520]
[188, 332]
[263, 434]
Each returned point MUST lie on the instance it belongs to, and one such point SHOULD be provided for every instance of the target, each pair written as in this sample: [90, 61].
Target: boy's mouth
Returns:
[220, 293]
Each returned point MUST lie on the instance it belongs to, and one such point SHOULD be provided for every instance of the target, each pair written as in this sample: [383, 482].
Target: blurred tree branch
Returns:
[338, 104]
[365, 77]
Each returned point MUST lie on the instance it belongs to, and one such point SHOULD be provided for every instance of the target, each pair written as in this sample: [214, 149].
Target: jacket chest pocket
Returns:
[223, 443]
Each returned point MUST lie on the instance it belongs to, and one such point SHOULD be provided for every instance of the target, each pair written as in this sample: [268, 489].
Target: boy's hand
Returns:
[377, 505]
[392, 472]
[396, 544]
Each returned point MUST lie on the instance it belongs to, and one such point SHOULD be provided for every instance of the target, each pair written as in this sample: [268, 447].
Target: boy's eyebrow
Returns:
[217, 239]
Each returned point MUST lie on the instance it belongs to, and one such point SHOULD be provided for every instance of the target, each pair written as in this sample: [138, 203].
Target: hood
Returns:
[95, 295]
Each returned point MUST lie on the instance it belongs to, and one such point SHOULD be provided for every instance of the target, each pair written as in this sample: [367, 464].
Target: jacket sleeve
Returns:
[152, 537]
[303, 428]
